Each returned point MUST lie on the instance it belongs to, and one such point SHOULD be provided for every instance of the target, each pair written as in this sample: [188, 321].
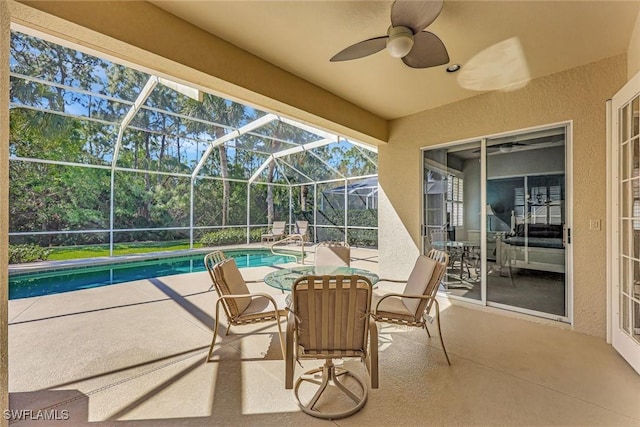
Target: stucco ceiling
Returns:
[500, 44]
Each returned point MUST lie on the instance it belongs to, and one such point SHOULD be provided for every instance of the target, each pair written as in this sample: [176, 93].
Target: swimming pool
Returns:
[28, 285]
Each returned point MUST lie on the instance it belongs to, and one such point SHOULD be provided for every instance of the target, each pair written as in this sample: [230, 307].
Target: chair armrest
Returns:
[392, 280]
[252, 295]
[375, 309]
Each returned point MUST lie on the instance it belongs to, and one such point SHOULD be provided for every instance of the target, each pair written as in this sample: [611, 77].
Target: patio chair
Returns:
[241, 306]
[329, 319]
[334, 254]
[276, 232]
[302, 228]
[210, 260]
[413, 305]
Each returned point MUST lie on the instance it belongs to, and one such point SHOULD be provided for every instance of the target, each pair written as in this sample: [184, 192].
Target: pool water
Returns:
[66, 280]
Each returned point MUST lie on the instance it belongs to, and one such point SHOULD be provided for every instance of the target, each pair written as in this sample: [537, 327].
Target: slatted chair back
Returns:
[332, 254]
[333, 315]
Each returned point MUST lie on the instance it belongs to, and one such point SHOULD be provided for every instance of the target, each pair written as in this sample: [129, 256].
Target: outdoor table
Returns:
[284, 279]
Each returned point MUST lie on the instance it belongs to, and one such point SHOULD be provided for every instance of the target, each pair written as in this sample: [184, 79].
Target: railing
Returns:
[289, 239]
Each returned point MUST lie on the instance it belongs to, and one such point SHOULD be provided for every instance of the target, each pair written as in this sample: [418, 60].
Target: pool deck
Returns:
[132, 354]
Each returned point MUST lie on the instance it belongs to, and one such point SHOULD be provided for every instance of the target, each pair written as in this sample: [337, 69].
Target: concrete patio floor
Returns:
[132, 354]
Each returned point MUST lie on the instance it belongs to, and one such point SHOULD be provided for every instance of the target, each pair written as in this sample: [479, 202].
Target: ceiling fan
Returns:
[405, 37]
[503, 148]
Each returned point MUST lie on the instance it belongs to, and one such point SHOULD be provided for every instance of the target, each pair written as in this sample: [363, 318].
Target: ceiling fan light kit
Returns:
[406, 38]
[400, 41]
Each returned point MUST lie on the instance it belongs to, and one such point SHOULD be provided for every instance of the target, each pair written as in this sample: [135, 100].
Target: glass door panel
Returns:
[526, 222]
[625, 301]
[451, 216]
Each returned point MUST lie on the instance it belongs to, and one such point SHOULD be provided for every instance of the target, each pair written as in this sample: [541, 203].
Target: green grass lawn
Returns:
[93, 251]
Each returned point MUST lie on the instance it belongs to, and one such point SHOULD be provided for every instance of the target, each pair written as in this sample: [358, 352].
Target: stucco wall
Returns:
[577, 95]
[633, 53]
[4, 209]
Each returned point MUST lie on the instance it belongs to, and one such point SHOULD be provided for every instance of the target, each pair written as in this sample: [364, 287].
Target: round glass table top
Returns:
[284, 279]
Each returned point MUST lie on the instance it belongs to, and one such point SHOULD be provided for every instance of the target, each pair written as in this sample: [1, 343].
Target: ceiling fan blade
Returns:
[416, 15]
[428, 51]
[362, 49]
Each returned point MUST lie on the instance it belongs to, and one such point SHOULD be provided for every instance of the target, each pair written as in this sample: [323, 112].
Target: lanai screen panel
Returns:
[151, 200]
[350, 160]
[237, 203]
[259, 205]
[303, 168]
[281, 132]
[43, 135]
[302, 203]
[207, 202]
[160, 152]
[39, 194]
[37, 94]
[159, 141]
[63, 66]
[241, 164]
[262, 144]
[152, 238]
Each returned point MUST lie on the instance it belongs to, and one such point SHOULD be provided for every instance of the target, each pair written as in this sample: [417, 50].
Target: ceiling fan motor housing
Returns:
[400, 41]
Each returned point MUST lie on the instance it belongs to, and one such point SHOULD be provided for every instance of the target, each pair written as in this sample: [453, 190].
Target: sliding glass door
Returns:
[502, 202]
[452, 214]
[526, 207]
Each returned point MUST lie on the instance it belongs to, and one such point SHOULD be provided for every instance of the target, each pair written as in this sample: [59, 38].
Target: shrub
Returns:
[231, 236]
[27, 253]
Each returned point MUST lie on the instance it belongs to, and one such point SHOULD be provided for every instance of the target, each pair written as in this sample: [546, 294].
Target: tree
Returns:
[227, 113]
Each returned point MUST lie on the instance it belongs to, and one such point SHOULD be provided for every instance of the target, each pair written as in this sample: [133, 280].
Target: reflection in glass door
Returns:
[498, 207]
[452, 215]
[526, 194]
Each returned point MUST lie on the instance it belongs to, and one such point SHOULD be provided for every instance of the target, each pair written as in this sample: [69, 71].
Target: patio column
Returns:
[5, 39]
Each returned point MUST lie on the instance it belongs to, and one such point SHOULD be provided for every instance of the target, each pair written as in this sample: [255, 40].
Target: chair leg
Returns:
[215, 332]
[330, 378]
[288, 358]
[427, 329]
[372, 359]
[440, 330]
[282, 345]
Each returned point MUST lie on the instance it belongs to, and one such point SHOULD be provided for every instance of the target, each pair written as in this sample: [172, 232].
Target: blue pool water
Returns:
[57, 281]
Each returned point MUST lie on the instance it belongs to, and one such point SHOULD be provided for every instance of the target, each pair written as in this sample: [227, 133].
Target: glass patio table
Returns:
[284, 279]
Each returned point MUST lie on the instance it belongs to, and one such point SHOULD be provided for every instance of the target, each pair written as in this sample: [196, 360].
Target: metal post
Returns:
[290, 208]
[315, 212]
[248, 212]
[346, 209]
[191, 216]
[111, 216]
